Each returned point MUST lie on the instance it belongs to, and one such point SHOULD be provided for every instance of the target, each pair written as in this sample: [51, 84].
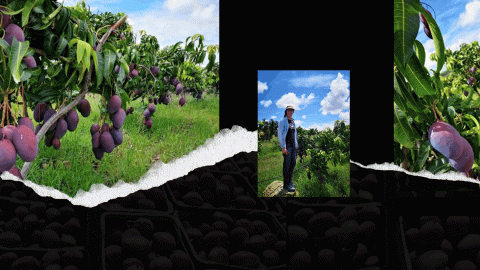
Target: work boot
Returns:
[289, 188]
[292, 184]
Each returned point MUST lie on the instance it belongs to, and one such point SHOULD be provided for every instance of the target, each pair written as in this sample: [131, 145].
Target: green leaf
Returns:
[403, 131]
[123, 63]
[52, 15]
[423, 154]
[82, 29]
[418, 78]
[399, 99]
[190, 47]
[108, 45]
[437, 39]
[17, 52]
[121, 73]
[88, 50]
[125, 99]
[5, 46]
[420, 51]
[80, 51]
[109, 58]
[405, 24]
[99, 65]
[26, 11]
[439, 166]
[61, 45]
[438, 84]
[72, 78]
[6, 78]
[10, 11]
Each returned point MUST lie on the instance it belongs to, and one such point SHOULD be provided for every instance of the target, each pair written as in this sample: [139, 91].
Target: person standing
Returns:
[287, 136]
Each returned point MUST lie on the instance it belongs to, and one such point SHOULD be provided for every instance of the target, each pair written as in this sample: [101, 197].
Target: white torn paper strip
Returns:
[225, 144]
[452, 175]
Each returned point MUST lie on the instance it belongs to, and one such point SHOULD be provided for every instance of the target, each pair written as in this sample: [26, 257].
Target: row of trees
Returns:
[268, 129]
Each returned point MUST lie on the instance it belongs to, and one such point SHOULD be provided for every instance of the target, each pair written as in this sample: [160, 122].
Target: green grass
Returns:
[270, 165]
[175, 132]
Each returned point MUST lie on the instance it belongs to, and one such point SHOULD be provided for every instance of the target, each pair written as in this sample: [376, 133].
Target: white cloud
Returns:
[470, 16]
[304, 116]
[313, 81]
[129, 21]
[274, 117]
[298, 122]
[266, 103]
[180, 6]
[262, 87]
[206, 13]
[337, 99]
[291, 99]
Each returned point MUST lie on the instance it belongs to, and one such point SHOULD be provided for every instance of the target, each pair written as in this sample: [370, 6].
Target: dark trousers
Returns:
[289, 162]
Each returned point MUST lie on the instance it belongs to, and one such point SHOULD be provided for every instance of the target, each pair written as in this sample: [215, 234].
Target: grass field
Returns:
[270, 165]
[175, 132]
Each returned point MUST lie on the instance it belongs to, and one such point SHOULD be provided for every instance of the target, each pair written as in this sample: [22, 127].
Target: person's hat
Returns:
[290, 108]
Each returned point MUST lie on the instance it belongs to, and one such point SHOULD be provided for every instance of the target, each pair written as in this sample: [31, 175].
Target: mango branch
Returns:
[65, 109]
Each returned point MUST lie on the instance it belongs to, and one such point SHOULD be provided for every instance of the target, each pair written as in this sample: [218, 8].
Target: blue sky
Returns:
[458, 21]
[169, 21]
[319, 97]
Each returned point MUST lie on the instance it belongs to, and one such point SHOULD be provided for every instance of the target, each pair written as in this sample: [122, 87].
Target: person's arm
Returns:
[296, 140]
[281, 138]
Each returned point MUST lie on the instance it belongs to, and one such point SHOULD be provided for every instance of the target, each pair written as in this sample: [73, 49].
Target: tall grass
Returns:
[175, 132]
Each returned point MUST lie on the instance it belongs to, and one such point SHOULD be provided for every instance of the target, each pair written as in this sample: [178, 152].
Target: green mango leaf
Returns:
[80, 76]
[418, 78]
[109, 58]
[52, 15]
[123, 63]
[110, 46]
[190, 47]
[400, 101]
[61, 45]
[420, 52]
[17, 52]
[403, 131]
[125, 99]
[406, 22]
[440, 165]
[99, 66]
[5, 46]
[121, 73]
[423, 154]
[86, 56]
[10, 11]
[26, 11]
[437, 39]
[72, 78]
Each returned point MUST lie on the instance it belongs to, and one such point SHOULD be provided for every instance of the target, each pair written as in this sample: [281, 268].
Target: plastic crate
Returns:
[130, 203]
[317, 240]
[42, 212]
[194, 219]
[38, 254]
[177, 188]
[122, 221]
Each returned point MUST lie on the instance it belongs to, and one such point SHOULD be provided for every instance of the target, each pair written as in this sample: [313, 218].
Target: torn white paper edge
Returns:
[225, 144]
[452, 175]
